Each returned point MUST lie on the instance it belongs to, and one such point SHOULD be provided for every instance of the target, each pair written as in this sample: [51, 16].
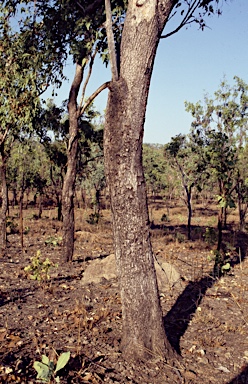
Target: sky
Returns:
[188, 65]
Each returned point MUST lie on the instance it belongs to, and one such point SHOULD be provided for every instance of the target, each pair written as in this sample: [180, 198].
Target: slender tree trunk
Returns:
[4, 208]
[189, 214]
[220, 227]
[243, 207]
[21, 217]
[14, 202]
[143, 331]
[70, 176]
[225, 217]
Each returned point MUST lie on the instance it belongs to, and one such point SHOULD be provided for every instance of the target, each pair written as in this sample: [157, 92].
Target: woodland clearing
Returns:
[206, 319]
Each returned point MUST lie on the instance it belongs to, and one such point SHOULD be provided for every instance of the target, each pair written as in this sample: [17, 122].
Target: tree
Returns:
[27, 68]
[131, 59]
[219, 127]
[93, 42]
[17, 101]
[186, 156]
[156, 171]
[143, 331]
[242, 186]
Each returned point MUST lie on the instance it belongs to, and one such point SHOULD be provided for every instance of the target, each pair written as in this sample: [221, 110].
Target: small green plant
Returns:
[221, 262]
[53, 240]
[39, 269]
[46, 369]
[26, 230]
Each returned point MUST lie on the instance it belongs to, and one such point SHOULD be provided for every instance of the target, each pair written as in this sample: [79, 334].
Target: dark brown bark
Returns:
[70, 176]
[4, 208]
[189, 206]
[220, 227]
[143, 331]
[21, 217]
[242, 205]
[68, 190]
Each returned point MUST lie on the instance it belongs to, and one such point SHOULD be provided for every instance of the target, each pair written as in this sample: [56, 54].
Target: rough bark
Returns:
[70, 176]
[21, 217]
[143, 331]
[189, 214]
[4, 208]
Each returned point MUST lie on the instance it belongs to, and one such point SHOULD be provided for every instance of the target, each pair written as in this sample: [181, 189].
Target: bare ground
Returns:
[206, 320]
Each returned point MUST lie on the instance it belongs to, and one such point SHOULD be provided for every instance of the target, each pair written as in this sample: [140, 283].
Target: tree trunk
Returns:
[21, 217]
[143, 333]
[243, 206]
[4, 195]
[225, 218]
[189, 206]
[14, 201]
[70, 176]
[220, 227]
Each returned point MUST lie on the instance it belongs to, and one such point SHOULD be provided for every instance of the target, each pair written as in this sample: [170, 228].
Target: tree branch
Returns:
[87, 81]
[185, 21]
[93, 96]
[111, 41]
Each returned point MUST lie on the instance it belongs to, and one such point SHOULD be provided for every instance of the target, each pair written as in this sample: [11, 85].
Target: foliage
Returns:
[221, 262]
[155, 168]
[53, 240]
[27, 166]
[39, 269]
[219, 130]
[47, 370]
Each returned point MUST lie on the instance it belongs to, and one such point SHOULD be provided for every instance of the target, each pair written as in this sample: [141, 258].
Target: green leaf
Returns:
[62, 361]
[45, 360]
[226, 267]
[43, 371]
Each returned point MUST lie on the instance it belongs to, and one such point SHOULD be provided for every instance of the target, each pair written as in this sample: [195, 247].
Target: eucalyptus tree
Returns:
[27, 170]
[143, 332]
[155, 168]
[91, 178]
[27, 68]
[219, 127]
[92, 31]
[16, 101]
[131, 54]
[51, 129]
[185, 155]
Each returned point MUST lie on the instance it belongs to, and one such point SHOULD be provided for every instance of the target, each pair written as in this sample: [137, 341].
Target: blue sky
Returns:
[188, 65]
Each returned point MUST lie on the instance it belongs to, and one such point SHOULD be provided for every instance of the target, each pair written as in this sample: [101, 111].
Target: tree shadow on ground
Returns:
[242, 378]
[15, 295]
[176, 321]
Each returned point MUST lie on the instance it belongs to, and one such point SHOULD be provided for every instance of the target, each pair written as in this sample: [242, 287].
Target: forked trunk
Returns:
[143, 330]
